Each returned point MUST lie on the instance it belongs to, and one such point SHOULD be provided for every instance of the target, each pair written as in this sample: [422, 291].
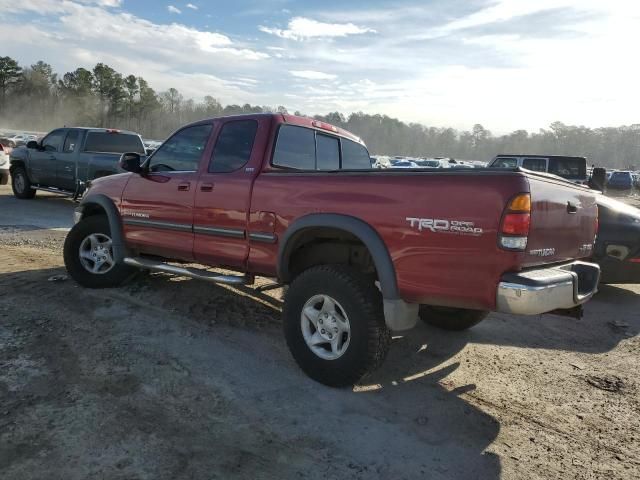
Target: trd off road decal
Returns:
[441, 225]
[133, 213]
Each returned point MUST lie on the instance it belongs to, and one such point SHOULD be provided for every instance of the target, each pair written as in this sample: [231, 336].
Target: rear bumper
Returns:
[543, 290]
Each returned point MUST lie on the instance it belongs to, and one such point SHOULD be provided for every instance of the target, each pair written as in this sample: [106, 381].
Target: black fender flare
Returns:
[355, 226]
[120, 250]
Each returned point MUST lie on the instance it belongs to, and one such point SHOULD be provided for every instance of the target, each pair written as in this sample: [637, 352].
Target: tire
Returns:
[453, 319]
[21, 185]
[364, 344]
[92, 236]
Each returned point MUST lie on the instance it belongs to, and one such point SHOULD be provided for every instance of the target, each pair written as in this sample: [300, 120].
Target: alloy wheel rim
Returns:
[96, 254]
[325, 327]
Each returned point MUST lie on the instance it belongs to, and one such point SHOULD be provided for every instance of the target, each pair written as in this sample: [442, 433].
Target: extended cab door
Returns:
[157, 207]
[223, 195]
[42, 162]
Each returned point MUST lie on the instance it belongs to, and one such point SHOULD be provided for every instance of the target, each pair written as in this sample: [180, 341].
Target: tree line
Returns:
[38, 99]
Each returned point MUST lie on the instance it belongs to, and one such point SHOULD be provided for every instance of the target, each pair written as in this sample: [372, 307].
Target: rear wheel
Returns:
[88, 255]
[20, 184]
[334, 324]
[455, 319]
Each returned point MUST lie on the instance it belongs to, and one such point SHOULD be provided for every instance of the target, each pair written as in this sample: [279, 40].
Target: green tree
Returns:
[10, 74]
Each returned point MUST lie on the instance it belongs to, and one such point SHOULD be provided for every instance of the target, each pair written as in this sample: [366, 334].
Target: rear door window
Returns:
[233, 147]
[113, 142]
[535, 164]
[567, 167]
[71, 141]
[295, 148]
[327, 152]
[355, 156]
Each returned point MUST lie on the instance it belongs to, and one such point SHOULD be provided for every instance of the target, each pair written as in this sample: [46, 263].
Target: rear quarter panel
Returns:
[443, 268]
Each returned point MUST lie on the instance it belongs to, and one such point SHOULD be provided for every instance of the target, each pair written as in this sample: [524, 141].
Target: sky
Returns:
[507, 64]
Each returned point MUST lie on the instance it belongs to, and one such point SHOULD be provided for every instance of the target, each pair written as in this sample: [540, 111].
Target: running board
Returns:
[66, 193]
[196, 273]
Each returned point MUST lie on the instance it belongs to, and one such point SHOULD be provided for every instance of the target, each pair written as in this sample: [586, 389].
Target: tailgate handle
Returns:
[571, 208]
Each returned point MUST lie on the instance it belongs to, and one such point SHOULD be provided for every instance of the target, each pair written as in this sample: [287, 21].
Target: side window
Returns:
[295, 148]
[53, 141]
[71, 141]
[182, 152]
[233, 147]
[505, 162]
[355, 156]
[535, 164]
[327, 153]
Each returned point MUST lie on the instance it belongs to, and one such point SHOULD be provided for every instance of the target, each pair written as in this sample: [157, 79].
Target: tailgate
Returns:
[563, 221]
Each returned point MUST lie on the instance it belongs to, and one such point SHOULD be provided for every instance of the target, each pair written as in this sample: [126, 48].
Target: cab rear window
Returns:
[303, 148]
[567, 167]
[112, 142]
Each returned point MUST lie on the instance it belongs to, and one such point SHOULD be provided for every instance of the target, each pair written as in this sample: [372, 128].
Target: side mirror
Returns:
[130, 162]
[33, 145]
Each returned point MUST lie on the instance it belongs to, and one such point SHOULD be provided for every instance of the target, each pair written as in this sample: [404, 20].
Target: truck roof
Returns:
[538, 156]
[98, 129]
[286, 118]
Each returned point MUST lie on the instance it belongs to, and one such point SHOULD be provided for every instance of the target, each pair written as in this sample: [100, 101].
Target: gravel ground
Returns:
[170, 378]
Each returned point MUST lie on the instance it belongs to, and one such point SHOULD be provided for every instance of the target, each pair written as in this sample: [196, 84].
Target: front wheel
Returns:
[454, 319]
[334, 324]
[21, 185]
[88, 255]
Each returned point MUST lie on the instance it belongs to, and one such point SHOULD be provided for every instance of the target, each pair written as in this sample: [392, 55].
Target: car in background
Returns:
[403, 164]
[621, 181]
[428, 163]
[19, 139]
[4, 165]
[67, 158]
[570, 168]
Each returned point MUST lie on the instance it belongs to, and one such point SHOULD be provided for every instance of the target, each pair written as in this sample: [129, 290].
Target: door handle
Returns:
[206, 187]
[571, 208]
[184, 187]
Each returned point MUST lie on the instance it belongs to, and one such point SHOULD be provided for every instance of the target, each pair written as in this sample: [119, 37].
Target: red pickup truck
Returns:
[363, 252]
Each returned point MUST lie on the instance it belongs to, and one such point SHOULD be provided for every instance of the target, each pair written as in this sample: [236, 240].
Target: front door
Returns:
[224, 194]
[66, 161]
[157, 207]
[42, 163]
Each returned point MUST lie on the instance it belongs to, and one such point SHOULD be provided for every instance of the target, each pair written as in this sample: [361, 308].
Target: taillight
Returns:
[516, 221]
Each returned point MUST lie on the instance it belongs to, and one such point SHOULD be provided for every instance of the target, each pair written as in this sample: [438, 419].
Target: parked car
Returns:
[363, 251]
[428, 163]
[617, 248]
[4, 165]
[403, 164]
[573, 169]
[67, 158]
[621, 181]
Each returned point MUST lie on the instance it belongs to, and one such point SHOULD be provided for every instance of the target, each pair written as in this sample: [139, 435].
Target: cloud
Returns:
[301, 28]
[173, 9]
[191, 6]
[312, 75]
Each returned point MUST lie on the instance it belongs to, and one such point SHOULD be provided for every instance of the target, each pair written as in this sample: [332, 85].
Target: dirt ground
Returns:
[170, 378]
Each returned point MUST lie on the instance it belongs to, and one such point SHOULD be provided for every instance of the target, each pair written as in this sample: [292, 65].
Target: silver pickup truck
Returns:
[67, 158]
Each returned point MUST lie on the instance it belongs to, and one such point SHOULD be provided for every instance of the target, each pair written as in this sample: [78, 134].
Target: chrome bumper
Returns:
[543, 290]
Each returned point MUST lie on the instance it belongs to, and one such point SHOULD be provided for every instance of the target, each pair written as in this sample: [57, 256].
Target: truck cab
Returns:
[573, 169]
